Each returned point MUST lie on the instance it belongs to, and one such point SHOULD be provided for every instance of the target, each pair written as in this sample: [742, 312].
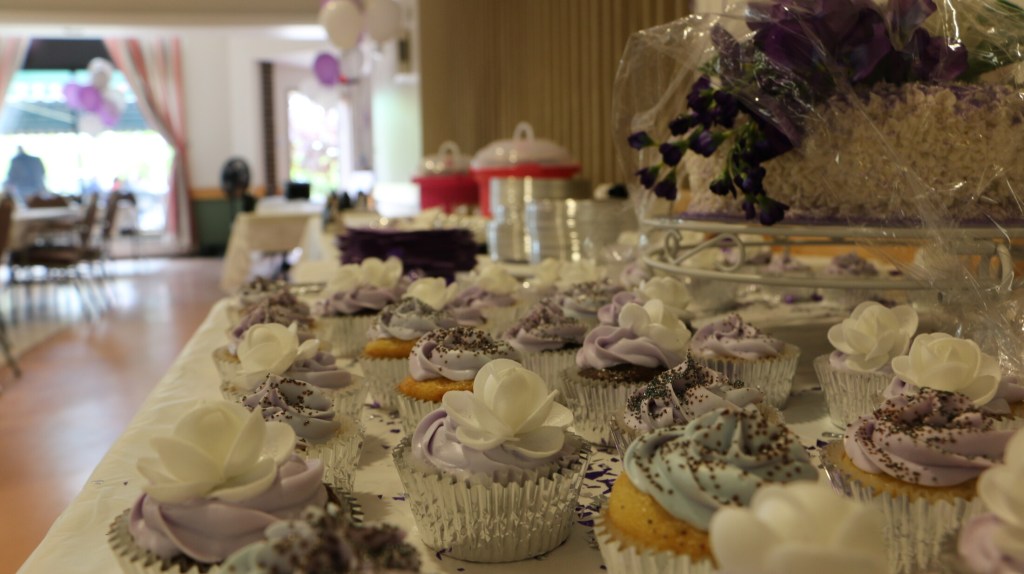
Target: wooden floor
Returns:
[81, 387]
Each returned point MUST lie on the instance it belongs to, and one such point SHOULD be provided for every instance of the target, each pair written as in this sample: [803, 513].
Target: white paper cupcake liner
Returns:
[594, 403]
[915, 528]
[773, 375]
[621, 557]
[383, 376]
[411, 411]
[849, 394]
[347, 335]
[551, 366]
[499, 319]
[339, 455]
[481, 520]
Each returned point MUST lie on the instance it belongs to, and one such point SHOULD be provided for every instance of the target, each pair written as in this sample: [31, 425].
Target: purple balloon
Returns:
[326, 69]
[109, 114]
[91, 99]
[72, 95]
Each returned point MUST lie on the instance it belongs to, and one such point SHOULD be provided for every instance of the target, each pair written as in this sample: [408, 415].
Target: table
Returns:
[268, 232]
[77, 540]
[27, 221]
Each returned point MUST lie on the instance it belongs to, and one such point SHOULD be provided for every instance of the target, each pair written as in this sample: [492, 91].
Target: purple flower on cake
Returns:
[640, 140]
[671, 153]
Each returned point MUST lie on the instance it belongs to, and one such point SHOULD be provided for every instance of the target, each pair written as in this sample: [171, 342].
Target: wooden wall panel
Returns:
[488, 64]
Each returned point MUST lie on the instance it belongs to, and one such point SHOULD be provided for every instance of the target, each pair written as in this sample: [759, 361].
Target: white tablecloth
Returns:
[268, 232]
[27, 221]
[77, 543]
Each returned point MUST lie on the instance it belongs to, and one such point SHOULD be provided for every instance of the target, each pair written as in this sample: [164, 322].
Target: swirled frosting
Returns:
[609, 314]
[582, 301]
[258, 288]
[852, 265]
[280, 298]
[408, 320]
[784, 264]
[684, 393]
[718, 459]
[362, 299]
[455, 354]
[731, 337]
[545, 328]
[509, 423]
[299, 405]
[994, 543]
[265, 312]
[324, 540]
[933, 438]
[491, 286]
[633, 274]
[645, 336]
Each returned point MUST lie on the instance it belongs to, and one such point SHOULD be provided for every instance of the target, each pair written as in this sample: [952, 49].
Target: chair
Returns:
[46, 200]
[6, 215]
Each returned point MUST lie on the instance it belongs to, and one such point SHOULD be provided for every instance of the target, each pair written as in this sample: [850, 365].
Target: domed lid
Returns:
[449, 159]
[522, 149]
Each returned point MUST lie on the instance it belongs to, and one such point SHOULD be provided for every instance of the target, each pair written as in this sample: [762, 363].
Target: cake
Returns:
[742, 352]
[674, 479]
[855, 374]
[354, 295]
[492, 475]
[193, 514]
[445, 360]
[617, 359]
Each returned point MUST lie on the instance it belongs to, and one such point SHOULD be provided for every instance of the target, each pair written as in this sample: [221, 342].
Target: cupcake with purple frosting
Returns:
[547, 340]
[583, 301]
[850, 266]
[855, 374]
[354, 296]
[783, 265]
[680, 395]
[493, 293]
[385, 359]
[617, 359]
[493, 475]
[267, 311]
[917, 457]
[742, 352]
[672, 293]
[192, 516]
[323, 434]
[445, 360]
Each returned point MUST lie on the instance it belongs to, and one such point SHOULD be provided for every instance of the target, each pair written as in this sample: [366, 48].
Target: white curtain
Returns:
[152, 67]
[12, 56]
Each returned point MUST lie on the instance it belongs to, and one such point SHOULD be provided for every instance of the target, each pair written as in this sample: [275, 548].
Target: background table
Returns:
[268, 232]
[77, 540]
[27, 221]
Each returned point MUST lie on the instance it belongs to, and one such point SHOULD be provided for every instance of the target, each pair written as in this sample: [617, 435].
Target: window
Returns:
[320, 143]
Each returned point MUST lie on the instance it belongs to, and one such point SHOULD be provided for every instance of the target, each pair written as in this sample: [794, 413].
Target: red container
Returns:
[483, 178]
[447, 191]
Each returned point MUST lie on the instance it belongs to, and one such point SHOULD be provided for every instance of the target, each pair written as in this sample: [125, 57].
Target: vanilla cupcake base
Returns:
[383, 376]
[340, 455]
[915, 526]
[621, 557]
[346, 334]
[481, 520]
[849, 394]
[411, 411]
[773, 375]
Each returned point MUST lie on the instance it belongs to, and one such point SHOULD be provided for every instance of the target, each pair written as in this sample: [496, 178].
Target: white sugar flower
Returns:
[495, 279]
[370, 272]
[874, 335]
[652, 321]
[273, 348]
[433, 291]
[669, 290]
[999, 488]
[547, 273]
[944, 363]
[218, 450]
[798, 528]
[509, 406]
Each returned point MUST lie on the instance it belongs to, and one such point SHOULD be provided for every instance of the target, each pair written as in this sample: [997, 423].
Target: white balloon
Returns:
[343, 21]
[352, 64]
[91, 123]
[100, 71]
[116, 99]
[383, 20]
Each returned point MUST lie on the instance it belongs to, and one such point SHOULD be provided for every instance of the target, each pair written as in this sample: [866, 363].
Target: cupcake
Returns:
[260, 290]
[674, 479]
[855, 374]
[782, 265]
[492, 475]
[494, 293]
[993, 543]
[355, 294]
[798, 528]
[850, 266]
[669, 290]
[946, 363]
[741, 352]
[547, 340]
[324, 540]
[444, 360]
[394, 333]
[917, 457]
[680, 395]
[213, 485]
[616, 360]
[267, 311]
[322, 433]
[275, 349]
[582, 301]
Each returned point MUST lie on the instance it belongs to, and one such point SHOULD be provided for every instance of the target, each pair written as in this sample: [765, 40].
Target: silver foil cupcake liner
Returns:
[620, 557]
[347, 335]
[383, 376]
[849, 394]
[773, 375]
[499, 319]
[551, 366]
[915, 528]
[594, 403]
[340, 455]
[481, 520]
[411, 411]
